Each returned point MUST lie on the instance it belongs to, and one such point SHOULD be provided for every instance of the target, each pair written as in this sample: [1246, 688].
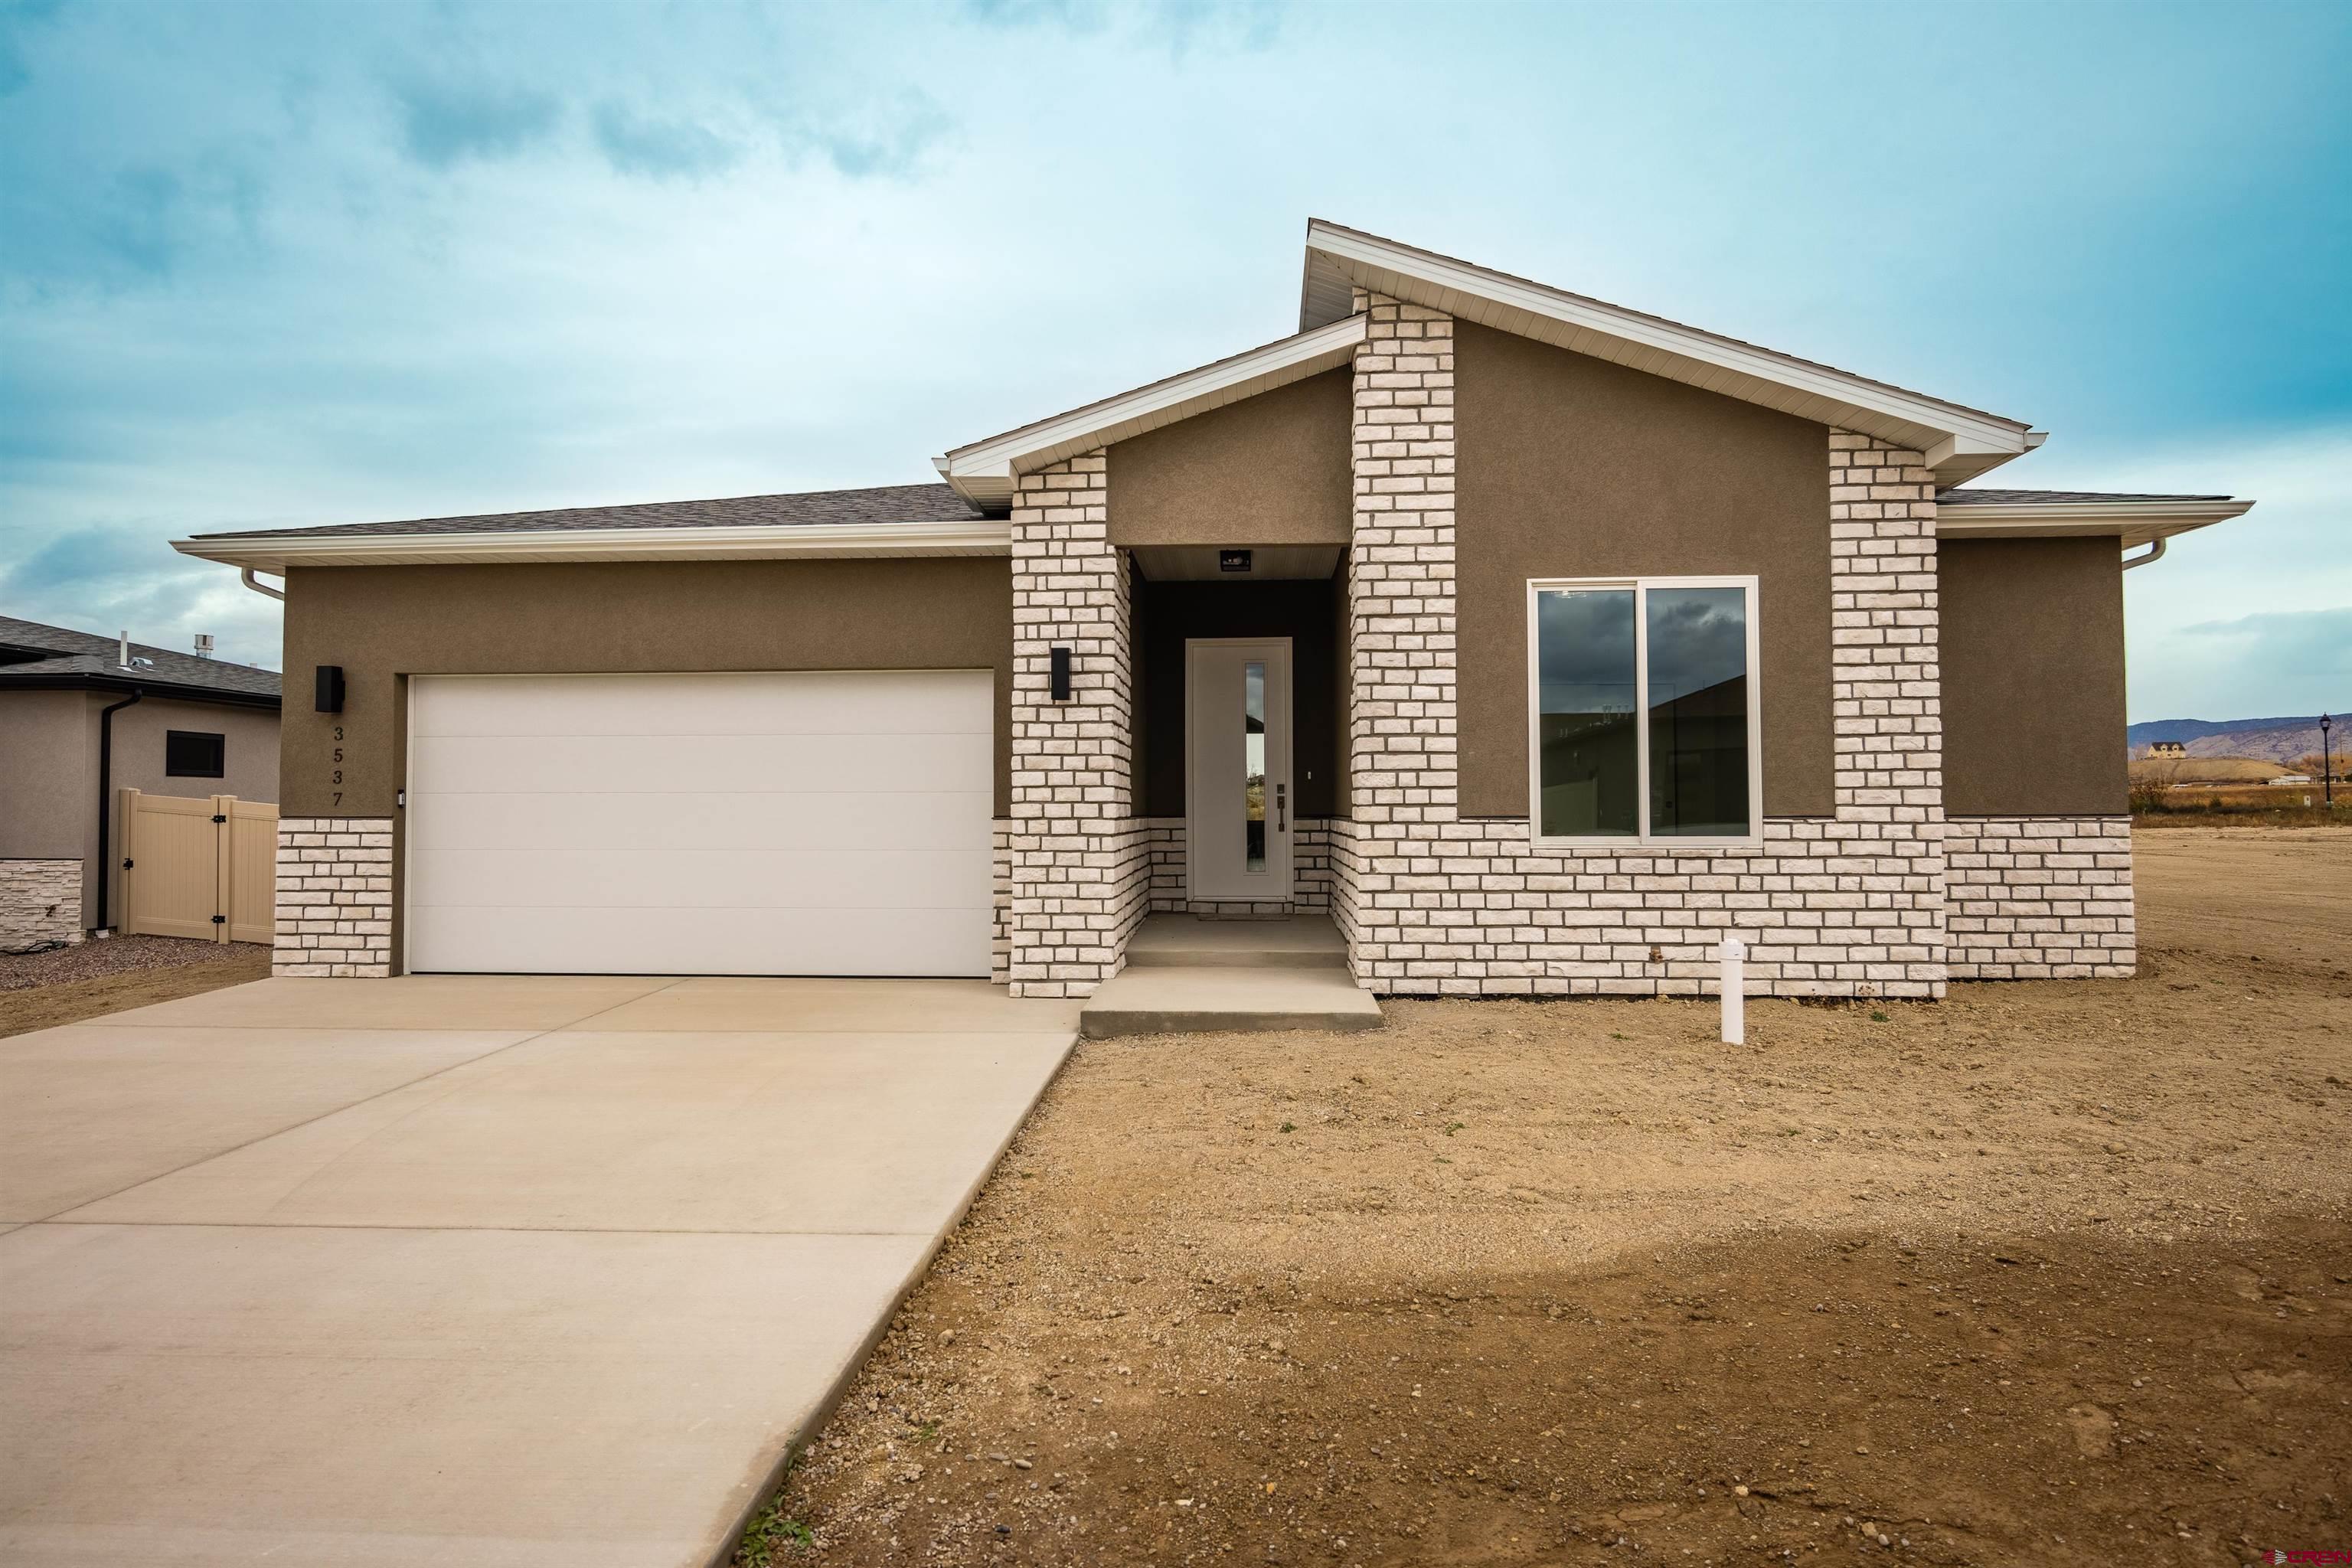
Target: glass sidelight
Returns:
[1237, 830]
[1254, 766]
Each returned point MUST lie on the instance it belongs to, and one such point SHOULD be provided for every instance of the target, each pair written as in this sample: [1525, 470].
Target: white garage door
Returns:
[833, 823]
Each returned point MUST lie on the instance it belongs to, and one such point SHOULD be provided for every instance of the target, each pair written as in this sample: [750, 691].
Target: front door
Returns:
[1237, 795]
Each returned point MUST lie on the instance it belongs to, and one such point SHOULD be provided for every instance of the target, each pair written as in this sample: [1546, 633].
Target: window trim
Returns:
[1644, 838]
[217, 735]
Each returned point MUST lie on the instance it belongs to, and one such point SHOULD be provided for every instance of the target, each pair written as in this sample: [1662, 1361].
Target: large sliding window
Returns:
[1643, 725]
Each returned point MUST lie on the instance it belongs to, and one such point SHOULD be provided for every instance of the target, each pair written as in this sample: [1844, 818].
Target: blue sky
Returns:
[264, 265]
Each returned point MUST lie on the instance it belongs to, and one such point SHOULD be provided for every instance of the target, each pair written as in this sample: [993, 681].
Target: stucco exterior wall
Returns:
[2033, 678]
[48, 797]
[381, 623]
[48, 773]
[1570, 466]
[1271, 470]
[248, 749]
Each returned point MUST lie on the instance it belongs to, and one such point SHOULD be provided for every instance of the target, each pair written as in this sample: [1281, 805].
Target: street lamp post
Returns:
[2326, 766]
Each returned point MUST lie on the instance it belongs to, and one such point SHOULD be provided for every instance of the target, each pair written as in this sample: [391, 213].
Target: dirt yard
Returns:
[41, 990]
[2049, 1272]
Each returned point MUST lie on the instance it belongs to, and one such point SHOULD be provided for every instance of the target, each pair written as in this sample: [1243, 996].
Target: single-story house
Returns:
[1540, 641]
[84, 716]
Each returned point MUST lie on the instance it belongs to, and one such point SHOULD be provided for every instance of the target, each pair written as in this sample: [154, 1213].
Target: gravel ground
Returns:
[115, 955]
[43, 990]
[2052, 1271]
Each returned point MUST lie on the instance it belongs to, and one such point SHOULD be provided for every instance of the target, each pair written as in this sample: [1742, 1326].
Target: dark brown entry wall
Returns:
[1307, 611]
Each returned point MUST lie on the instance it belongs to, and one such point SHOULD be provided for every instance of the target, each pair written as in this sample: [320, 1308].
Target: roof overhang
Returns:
[984, 472]
[134, 681]
[276, 553]
[1959, 442]
[2130, 523]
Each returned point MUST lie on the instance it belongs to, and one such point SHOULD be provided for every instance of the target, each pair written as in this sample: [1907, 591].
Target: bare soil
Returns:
[2054, 1271]
[64, 985]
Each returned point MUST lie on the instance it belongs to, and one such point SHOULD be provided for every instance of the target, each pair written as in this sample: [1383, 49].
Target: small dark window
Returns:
[193, 754]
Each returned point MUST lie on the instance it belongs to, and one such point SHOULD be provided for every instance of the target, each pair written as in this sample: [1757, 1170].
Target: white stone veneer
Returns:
[40, 904]
[335, 896]
[2041, 898]
[1079, 860]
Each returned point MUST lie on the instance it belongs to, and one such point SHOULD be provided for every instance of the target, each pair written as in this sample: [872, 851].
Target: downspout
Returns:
[2155, 553]
[257, 585]
[106, 802]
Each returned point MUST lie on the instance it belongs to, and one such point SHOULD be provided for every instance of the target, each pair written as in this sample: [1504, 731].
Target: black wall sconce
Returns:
[331, 689]
[1061, 675]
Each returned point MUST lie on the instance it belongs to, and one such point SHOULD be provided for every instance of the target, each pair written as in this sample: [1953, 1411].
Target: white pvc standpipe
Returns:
[1735, 1000]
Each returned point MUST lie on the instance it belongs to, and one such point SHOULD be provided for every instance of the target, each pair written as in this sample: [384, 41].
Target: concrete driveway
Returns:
[467, 1268]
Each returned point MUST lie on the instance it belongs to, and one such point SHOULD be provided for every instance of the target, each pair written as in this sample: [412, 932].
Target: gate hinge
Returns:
[220, 819]
[220, 919]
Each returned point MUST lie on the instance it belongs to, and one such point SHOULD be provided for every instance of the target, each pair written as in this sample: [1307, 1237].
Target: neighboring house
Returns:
[2167, 748]
[82, 717]
[1540, 640]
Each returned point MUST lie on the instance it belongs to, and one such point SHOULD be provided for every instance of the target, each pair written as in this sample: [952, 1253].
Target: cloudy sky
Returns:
[263, 265]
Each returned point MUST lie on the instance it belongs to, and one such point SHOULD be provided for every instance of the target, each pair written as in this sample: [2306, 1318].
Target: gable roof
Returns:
[33, 655]
[880, 520]
[983, 471]
[1960, 442]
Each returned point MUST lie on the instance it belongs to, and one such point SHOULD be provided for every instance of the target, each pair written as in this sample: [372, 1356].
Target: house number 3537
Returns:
[338, 765]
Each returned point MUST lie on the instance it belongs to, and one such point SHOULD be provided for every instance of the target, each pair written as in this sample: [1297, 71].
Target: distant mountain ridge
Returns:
[2198, 728]
[2283, 739]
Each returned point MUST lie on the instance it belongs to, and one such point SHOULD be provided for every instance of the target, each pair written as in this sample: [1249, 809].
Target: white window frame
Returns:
[1645, 838]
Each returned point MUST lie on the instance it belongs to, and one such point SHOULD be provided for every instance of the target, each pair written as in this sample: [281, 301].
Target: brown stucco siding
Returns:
[1270, 469]
[48, 801]
[1169, 614]
[384, 623]
[2033, 677]
[248, 748]
[1572, 467]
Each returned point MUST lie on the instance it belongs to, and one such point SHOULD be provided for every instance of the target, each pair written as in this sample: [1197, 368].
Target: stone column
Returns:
[335, 896]
[1401, 727]
[1887, 692]
[1080, 867]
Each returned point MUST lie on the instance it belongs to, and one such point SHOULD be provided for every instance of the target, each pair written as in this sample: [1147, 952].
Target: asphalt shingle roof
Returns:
[1970, 495]
[72, 652]
[877, 503]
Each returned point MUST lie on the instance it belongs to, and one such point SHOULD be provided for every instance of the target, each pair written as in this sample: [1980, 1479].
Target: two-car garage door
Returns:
[830, 823]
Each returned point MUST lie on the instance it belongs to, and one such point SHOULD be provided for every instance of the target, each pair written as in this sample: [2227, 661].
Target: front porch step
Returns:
[1189, 941]
[1193, 998]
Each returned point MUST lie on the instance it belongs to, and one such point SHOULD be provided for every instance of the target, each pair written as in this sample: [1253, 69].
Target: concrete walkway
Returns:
[1185, 973]
[468, 1269]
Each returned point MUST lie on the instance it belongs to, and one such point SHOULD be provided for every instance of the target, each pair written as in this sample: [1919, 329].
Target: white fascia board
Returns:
[2134, 522]
[983, 471]
[1960, 442]
[275, 552]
